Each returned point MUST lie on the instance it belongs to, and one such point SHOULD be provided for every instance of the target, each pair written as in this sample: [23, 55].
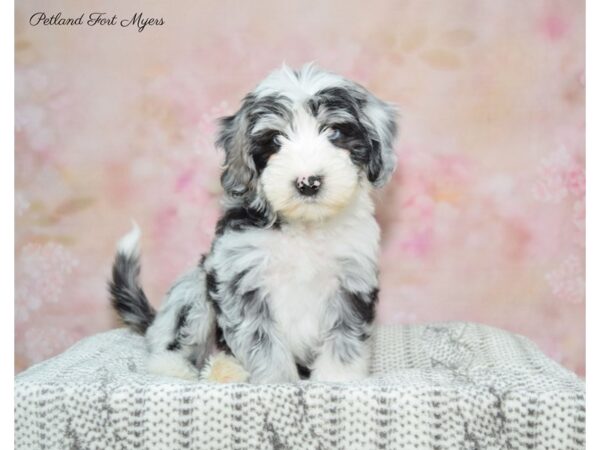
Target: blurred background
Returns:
[484, 218]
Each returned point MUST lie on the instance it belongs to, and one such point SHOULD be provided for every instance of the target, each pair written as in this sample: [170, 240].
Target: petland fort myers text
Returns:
[96, 19]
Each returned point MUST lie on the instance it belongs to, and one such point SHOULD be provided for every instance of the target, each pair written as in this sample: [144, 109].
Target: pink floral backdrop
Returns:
[484, 218]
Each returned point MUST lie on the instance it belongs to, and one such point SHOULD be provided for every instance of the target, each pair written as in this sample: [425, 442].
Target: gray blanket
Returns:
[443, 386]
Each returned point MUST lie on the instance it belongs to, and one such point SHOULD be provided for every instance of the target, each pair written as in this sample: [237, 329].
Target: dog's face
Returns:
[304, 142]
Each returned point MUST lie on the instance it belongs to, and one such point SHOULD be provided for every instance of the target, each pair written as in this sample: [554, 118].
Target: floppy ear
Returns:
[380, 119]
[239, 173]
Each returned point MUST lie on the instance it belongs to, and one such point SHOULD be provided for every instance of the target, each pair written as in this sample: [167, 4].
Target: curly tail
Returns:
[127, 296]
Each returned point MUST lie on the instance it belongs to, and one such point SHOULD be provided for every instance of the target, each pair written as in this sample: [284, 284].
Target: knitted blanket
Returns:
[443, 386]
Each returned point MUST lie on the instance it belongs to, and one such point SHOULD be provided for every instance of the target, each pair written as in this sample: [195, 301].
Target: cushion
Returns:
[436, 386]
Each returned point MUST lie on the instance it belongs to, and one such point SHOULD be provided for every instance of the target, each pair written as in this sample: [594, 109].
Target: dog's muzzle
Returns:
[309, 186]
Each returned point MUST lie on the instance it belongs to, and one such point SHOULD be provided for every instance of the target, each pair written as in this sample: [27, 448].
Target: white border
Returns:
[7, 222]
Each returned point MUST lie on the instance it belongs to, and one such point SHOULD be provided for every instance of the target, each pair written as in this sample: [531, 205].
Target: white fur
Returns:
[290, 278]
[311, 80]
[129, 244]
[307, 152]
[172, 364]
[298, 270]
[328, 369]
[188, 290]
[302, 269]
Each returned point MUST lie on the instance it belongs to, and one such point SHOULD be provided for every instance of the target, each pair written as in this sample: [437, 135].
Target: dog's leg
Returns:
[331, 364]
[250, 333]
[235, 276]
[182, 334]
[345, 352]
[262, 352]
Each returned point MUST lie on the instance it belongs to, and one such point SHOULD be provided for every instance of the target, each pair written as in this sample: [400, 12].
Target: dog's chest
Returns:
[302, 274]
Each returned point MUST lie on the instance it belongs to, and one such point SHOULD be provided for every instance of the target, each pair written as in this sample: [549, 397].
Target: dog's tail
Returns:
[127, 296]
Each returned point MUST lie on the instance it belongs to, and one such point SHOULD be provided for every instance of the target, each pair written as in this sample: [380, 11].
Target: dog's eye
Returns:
[276, 139]
[271, 139]
[264, 146]
[335, 134]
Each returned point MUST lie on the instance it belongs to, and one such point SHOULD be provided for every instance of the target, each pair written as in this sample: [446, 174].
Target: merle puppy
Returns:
[289, 287]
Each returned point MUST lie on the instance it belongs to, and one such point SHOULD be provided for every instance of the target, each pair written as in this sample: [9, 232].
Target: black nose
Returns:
[309, 186]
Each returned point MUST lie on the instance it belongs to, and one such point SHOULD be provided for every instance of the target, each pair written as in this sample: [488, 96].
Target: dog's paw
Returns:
[223, 368]
[170, 364]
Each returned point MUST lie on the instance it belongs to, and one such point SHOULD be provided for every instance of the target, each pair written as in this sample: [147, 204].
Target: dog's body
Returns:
[289, 286]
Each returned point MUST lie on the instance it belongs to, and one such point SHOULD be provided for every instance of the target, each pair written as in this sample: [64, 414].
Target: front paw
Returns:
[223, 368]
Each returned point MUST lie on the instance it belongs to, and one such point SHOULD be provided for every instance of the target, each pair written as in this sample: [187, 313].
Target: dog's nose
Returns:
[309, 186]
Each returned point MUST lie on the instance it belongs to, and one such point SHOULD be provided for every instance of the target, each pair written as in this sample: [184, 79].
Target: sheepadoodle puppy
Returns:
[289, 287]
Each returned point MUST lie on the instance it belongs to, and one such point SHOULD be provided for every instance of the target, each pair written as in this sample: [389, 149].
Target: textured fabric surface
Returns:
[443, 386]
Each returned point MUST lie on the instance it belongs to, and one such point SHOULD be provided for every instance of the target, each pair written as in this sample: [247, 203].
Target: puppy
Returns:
[289, 287]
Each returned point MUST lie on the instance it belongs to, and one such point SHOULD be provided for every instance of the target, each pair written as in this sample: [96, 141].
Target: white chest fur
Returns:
[304, 268]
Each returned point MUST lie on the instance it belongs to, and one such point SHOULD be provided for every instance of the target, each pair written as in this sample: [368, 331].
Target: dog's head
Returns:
[305, 142]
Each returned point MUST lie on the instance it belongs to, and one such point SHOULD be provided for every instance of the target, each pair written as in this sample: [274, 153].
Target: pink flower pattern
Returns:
[566, 281]
[484, 219]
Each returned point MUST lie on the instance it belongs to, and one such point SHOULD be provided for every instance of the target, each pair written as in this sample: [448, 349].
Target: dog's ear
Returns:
[239, 173]
[380, 120]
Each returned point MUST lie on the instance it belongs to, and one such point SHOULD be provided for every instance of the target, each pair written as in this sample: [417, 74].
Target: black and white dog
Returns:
[289, 287]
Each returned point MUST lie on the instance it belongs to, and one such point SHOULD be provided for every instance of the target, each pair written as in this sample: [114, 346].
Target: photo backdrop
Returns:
[484, 218]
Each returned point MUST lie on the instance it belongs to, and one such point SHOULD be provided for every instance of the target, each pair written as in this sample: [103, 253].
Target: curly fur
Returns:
[290, 284]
